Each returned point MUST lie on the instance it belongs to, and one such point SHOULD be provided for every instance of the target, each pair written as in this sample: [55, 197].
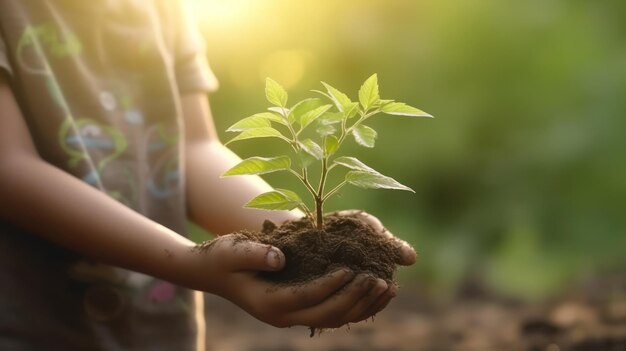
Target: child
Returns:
[107, 147]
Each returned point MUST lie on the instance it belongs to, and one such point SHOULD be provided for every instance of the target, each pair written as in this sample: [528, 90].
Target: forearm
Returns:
[217, 203]
[56, 206]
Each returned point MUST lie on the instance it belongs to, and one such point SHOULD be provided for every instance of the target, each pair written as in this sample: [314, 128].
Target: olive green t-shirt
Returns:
[98, 83]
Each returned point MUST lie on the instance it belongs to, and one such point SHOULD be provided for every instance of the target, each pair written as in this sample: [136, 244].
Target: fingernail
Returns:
[393, 291]
[273, 258]
[362, 281]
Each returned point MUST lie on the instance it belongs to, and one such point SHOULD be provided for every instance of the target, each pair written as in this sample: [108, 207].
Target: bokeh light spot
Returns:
[286, 67]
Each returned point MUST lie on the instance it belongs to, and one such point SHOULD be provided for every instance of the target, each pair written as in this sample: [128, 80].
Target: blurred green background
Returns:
[520, 178]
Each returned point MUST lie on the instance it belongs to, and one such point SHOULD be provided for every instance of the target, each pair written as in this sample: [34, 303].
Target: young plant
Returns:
[334, 122]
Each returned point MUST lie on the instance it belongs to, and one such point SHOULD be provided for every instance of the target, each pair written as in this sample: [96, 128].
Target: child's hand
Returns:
[327, 302]
[407, 255]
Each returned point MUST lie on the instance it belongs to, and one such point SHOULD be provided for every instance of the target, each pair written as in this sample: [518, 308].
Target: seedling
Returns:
[334, 122]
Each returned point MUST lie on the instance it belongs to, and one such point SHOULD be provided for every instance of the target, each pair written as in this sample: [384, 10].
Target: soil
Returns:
[311, 253]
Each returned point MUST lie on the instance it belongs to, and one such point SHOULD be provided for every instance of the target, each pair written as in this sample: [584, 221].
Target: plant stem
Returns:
[304, 177]
[319, 213]
[304, 181]
[334, 190]
[308, 213]
[319, 197]
[345, 132]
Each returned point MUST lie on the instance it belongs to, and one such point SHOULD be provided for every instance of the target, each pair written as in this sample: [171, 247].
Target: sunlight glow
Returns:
[222, 13]
[285, 66]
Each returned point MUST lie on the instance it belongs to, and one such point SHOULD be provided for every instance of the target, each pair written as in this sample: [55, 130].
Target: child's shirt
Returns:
[98, 83]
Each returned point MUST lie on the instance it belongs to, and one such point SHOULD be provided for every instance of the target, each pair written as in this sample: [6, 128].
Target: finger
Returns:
[374, 222]
[237, 253]
[362, 310]
[274, 304]
[383, 301]
[406, 254]
[295, 298]
[331, 313]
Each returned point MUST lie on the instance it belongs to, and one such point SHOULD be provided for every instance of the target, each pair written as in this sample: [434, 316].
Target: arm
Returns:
[53, 204]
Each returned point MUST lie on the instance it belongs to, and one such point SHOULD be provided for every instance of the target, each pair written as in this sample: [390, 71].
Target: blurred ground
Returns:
[590, 317]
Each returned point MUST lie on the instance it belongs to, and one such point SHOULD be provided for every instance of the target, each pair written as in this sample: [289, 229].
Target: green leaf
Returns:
[275, 93]
[341, 100]
[282, 111]
[331, 144]
[251, 122]
[302, 107]
[263, 132]
[351, 110]
[324, 130]
[383, 102]
[260, 165]
[272, 117]
[289, 194]
[305, 159]
[311, 116]
[257, 120]
[322, 93]
[364, 135]
[402, 109]
[276, 200]
[368, 94]
[353, 163]
[331, 118]
[311, 148]
[369, 180]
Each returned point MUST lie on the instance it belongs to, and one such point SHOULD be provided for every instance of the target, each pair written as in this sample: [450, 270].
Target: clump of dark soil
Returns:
[311, 253]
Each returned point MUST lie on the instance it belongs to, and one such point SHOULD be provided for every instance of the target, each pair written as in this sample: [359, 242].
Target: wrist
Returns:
[181, 264]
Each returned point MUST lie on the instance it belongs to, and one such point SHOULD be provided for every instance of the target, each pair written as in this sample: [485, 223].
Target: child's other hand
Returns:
[407, 255]
[327, 302]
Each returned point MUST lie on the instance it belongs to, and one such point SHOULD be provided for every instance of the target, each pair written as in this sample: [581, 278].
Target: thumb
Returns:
[407, 255]
[240, 254]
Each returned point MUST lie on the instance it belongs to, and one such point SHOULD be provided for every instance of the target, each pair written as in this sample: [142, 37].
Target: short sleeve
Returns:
[4, 59]
[194, 74]
[191, 66]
